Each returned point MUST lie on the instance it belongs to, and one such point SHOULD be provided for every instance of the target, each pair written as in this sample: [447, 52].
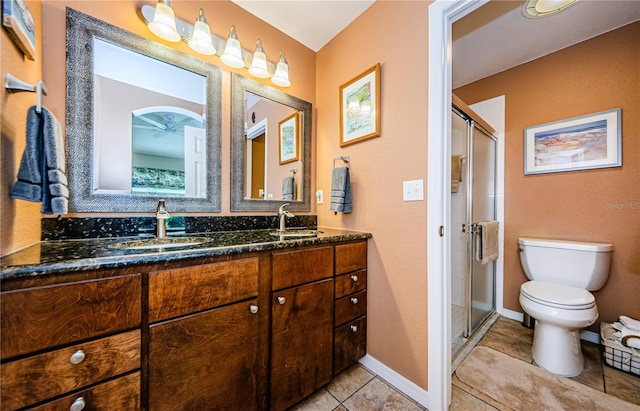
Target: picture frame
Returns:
[20, 25]
[578, 143]
[360, 107]
[288, 138]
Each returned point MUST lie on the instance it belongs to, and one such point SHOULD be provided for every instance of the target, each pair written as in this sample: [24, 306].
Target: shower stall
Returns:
[473, 200]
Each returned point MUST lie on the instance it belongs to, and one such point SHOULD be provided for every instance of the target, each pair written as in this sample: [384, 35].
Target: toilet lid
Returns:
[559, 296]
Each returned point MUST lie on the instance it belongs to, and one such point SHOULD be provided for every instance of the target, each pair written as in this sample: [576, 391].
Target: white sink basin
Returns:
[167, 242]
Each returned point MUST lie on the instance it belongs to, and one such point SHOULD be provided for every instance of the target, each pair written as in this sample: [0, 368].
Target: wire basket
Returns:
[616, 355]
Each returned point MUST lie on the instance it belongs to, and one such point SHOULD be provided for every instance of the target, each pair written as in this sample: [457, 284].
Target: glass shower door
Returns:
[483, 208]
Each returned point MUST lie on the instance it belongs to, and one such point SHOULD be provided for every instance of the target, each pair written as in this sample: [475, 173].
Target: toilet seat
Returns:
[557, 295]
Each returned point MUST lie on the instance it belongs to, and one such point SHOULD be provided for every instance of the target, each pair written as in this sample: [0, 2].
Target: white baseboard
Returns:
[584, 334]
[408, 388]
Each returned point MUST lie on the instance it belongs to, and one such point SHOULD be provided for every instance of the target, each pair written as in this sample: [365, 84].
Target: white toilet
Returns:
[562, 273]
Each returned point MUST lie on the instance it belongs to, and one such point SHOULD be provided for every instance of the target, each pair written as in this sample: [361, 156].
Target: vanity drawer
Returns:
[350, 344]
[121, 394]
[38, 318]
[181, 291]
[351, 257]
[350, 283]
[350, 307]
[47, 375]
[292, 268]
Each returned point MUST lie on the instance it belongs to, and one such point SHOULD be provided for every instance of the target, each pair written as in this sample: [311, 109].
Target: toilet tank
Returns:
[577, 264]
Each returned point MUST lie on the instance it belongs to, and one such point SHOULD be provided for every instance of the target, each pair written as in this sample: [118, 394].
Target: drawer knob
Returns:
[78, 404]
[354, 278]
[77, 357]
[253, 309]
[354, 328]
[354, 300]
[281, 300]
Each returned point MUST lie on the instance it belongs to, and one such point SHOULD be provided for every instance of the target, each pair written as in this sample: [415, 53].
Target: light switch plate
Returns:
[413, 190]
[319, 196]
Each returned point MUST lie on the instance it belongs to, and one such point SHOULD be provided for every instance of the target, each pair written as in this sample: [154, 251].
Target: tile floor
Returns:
[358, 389]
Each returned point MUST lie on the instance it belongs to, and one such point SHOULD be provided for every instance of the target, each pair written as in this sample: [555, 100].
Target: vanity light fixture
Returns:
[201, 39]
[164, 22]
[281, 77]
[232, 55]
[543, 8]
[259, 63]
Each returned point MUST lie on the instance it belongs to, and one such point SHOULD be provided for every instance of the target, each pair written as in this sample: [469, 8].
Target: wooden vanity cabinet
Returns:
[81, 338]
[301, 324]
[203, 337]
[350, 334]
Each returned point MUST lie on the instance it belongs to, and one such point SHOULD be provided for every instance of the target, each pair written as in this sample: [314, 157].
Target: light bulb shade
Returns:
[281, 76]
[259, 63]
[164, 22]
[542, 8]
[232, 55]
[201, 39]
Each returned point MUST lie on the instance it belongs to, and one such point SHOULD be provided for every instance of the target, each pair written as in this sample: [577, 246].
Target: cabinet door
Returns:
[301, 342]
[205, 361]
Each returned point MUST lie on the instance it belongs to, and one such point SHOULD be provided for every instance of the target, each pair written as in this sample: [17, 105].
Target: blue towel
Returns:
[42, 176]
[289, 189]
[340, 190]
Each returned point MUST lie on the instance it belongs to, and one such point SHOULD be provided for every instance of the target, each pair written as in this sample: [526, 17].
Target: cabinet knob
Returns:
[354, 278]
[253, 309]
[354, 300]
[78, 404]
[77, 357]
[281, 300]
[354, 328]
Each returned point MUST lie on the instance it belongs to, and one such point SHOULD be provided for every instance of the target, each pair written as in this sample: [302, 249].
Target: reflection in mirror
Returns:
[270, 148]
[149, 121]
[272, 144]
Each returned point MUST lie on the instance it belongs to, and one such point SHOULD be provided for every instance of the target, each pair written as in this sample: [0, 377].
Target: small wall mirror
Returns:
[270, 148]
[143, 122]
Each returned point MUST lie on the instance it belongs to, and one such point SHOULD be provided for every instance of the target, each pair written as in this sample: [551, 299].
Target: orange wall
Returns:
[397, 276]
[20, 220]
[601, 205]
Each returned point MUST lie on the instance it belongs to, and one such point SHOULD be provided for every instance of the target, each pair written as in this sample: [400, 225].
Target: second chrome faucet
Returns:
[282, 216]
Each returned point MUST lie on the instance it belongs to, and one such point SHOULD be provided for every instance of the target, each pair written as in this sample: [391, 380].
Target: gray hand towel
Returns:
[289, 189]
[340, 190]
[41, 176]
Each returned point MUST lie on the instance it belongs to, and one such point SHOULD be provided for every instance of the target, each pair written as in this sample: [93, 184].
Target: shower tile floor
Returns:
[358, 389]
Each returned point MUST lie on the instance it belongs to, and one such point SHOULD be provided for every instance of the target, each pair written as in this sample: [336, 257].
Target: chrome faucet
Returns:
[282, 215]
[161, 217]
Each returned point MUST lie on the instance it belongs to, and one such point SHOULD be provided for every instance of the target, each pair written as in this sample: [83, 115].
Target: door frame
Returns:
[442, 14]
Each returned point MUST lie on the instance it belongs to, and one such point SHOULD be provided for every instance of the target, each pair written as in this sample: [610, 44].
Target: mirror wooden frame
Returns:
[240, 85]
[81, 31]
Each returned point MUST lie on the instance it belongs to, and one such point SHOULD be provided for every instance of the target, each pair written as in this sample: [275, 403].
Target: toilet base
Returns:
[557, 349]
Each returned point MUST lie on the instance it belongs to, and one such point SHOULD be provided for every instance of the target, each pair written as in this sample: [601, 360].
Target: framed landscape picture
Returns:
[578, 143]
[18, 21]
[360, 107]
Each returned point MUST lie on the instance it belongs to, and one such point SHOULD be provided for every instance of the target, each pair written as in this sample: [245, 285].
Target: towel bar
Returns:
[343, 158]
[15, 85]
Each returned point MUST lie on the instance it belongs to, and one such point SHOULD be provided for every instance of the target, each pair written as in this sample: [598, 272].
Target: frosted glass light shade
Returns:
[259, 64]
[542, 8]
[232, 55]
[281, 76]
[201, 38]
[164, 22]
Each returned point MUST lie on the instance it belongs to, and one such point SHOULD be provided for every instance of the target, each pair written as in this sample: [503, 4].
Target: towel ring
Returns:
[15, 85]
[346, 159]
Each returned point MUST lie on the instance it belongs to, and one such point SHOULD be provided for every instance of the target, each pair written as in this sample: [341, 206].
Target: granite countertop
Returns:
[55, 256]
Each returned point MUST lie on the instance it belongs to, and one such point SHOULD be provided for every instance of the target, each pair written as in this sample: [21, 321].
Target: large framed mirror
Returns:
[143, 123]
[270, 148]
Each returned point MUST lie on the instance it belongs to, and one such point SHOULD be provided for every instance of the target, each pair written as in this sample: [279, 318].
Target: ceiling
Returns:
[492, 39]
